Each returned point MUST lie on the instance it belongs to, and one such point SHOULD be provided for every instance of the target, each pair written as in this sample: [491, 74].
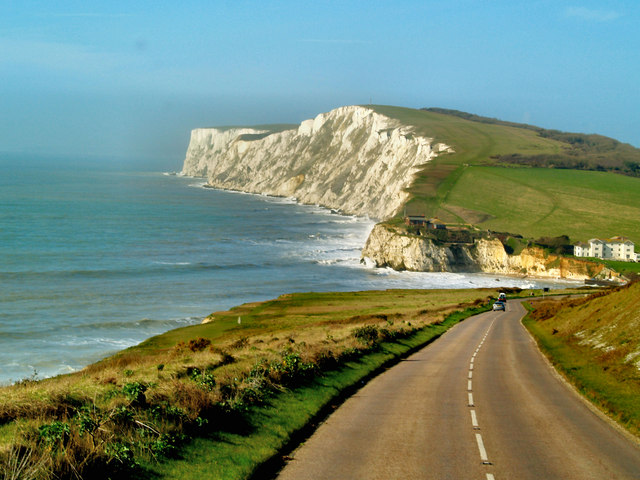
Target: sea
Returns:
[96, 256]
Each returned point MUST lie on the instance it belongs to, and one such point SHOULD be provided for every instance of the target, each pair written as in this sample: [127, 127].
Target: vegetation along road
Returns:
[481, 403]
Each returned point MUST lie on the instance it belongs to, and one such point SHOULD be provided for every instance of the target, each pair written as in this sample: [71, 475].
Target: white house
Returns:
[615, 248]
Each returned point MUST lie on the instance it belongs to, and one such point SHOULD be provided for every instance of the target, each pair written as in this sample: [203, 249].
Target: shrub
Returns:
[122, 453]
[88, 420]
[199, 344]
[290, 369]
[367, 334]
[240, 343]
[122, 415]
[54, 434]
[204, 379]
[134, 391]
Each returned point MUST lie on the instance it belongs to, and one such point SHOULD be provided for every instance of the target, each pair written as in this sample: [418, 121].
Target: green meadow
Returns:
[538, 202]
[494, 181]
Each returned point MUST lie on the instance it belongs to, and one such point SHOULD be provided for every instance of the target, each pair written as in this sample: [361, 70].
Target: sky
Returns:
[131, 79]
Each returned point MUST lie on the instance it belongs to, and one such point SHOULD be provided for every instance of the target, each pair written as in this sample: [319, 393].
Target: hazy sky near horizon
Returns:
[132, 78]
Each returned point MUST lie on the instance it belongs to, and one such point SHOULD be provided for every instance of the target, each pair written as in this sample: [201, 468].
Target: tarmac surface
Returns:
[479, 403]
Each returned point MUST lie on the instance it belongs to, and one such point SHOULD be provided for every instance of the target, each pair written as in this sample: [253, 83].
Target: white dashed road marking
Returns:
[474, 419]
[483, 452]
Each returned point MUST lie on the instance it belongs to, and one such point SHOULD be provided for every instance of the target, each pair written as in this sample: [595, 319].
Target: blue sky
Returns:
[132, 78]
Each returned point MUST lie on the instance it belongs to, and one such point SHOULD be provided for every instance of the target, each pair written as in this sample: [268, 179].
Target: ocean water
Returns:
[96, 257]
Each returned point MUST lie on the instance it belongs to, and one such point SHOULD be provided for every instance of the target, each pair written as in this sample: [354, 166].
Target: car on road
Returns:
[502, 297]
[499, 306]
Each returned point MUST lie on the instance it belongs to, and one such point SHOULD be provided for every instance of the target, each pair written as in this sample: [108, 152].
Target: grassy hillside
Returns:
[511, 193]
[580, 151]
[537, 201]
[209, 386]
[270, 127]
[596, 344]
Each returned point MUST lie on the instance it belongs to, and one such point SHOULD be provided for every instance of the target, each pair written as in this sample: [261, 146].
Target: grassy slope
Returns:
[596, 345]
[536, 202]
[308, 311]
[474, 143]
[240, 455]
[530, 201]
[306, 328]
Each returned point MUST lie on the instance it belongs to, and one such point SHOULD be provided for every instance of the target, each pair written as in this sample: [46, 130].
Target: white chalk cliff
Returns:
[357, 161]
[351, 159]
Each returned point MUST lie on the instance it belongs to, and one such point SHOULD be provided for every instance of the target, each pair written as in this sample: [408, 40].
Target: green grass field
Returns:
[474, 144]
[546, 202]
[469, 187]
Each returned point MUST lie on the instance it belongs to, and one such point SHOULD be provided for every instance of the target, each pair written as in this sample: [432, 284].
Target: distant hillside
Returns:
[581, 151]
[491, 180]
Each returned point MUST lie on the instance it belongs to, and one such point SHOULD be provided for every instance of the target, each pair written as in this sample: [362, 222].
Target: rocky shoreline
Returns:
[388, 247]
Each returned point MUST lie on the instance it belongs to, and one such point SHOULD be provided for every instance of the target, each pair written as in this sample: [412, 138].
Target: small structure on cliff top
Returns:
[422, 221]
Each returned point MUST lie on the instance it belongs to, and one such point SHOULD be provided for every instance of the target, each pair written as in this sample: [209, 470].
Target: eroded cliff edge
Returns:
[350, 159]
[387, 247]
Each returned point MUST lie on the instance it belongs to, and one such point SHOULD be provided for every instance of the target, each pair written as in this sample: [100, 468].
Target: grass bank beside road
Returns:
[219, 399]
[595, 343]
[278, 424]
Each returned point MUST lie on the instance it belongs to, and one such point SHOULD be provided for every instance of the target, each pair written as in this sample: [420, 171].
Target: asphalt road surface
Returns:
[479, 403]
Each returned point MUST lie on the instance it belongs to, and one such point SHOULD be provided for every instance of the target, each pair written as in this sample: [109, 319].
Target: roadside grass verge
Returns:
[604, 371]
[272, 430]
[224, 380]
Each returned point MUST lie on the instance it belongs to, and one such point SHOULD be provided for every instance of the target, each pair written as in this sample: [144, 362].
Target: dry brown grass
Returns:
[143, 400]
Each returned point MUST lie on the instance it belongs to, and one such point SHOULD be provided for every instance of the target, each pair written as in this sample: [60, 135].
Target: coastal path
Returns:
[479, 403]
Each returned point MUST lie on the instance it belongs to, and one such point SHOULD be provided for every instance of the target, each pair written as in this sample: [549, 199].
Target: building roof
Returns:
[619, 239]
[616, 239]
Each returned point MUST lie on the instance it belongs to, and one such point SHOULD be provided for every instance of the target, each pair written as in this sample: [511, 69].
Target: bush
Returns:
[367, 334]
[134, 392]
[122, 453]
[54, 434]
[290, 369]
[204, 379]
[199, 344]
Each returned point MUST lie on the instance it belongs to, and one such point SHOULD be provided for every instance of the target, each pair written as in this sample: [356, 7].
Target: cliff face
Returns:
[350, 159]
[357, 161]
[388, 248]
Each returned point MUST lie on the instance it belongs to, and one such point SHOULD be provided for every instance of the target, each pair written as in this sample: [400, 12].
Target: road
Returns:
[479, 403]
